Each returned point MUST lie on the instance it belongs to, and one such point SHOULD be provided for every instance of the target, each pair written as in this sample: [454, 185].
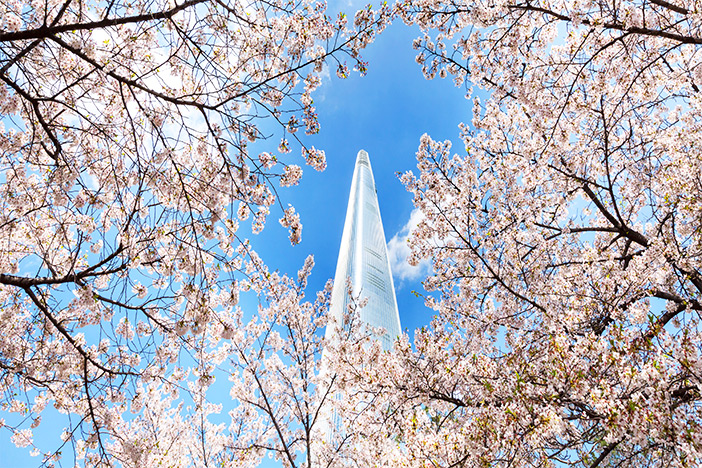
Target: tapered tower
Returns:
[363, 257]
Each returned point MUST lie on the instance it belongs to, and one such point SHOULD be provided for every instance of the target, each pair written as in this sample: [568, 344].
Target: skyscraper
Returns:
[363, 257]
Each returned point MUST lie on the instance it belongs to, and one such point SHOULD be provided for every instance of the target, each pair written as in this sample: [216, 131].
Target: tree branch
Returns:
[45, 32]
[615, 26]
[69, 338]
[24, 282]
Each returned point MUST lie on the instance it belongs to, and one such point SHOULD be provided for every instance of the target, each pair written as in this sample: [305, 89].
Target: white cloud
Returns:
[320, 94]
[398, 251]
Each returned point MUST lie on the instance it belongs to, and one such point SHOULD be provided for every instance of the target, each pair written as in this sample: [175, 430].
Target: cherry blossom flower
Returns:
[292, 175]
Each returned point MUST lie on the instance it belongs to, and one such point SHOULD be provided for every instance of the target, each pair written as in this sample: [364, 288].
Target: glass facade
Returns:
[363, 257]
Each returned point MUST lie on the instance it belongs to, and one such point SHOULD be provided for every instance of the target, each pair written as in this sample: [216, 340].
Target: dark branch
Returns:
[24, 282]
[48, 31]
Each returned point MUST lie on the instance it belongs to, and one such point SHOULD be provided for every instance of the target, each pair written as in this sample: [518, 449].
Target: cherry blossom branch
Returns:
[34, 102]
[46, 32]
[34, 44]
[614, 26]
[132, 83]
[662, 321]
[608, 449]
[670, 6]
[91, 409]
[139, 308]
[25, 282]
[66, 334]
[624, 230]
[269, 410]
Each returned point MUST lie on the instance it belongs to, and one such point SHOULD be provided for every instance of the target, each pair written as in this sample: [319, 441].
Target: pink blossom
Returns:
[291, 176]
[315, 158]
[291, 220]
[22, 438]
[12, 22]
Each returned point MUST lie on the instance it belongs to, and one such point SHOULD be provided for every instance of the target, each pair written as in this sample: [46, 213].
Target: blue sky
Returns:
[385, 112]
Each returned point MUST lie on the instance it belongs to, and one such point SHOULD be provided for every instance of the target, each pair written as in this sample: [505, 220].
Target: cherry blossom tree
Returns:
[566, 241]
[126, 132]
[565, 237]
